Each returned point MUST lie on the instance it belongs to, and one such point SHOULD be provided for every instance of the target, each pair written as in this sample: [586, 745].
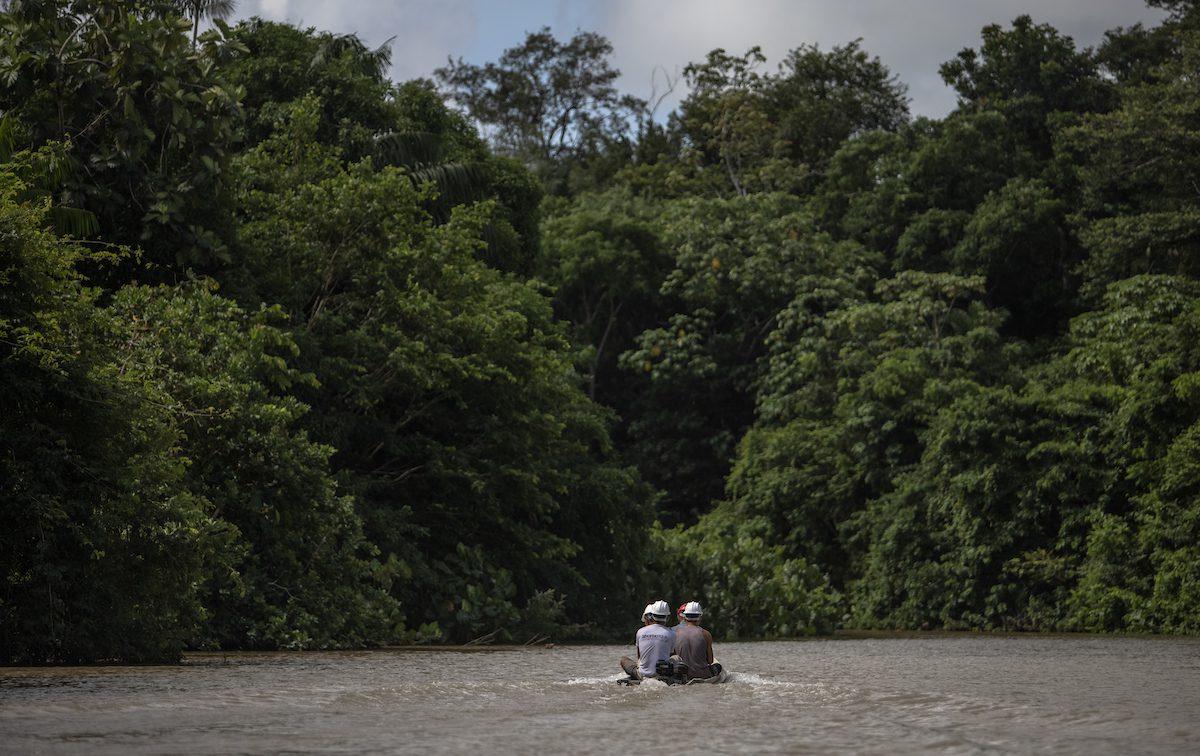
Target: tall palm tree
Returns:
[202, 9]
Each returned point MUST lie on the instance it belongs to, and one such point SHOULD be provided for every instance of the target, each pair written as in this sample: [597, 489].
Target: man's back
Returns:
[693, 645]
[654, 645]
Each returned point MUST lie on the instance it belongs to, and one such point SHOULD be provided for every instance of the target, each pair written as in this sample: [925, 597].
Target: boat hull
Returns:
[722, 676]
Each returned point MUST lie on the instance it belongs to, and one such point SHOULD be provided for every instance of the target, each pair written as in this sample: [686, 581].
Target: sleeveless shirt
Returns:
[691, 644]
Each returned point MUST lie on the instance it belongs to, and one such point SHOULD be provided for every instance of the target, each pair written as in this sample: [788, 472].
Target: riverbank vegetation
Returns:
[293, 356]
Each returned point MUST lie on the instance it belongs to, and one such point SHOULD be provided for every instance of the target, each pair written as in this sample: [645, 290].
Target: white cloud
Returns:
[424, 31]
[272, 9]
[650, 37]
[912, 38]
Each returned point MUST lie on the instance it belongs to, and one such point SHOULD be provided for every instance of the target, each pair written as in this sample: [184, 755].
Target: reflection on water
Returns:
[927, 694]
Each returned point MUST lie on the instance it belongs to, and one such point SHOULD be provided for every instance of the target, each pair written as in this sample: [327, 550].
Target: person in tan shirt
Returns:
[693, 644]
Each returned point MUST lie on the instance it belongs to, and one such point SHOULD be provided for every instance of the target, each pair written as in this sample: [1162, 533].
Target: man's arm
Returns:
[708, 643]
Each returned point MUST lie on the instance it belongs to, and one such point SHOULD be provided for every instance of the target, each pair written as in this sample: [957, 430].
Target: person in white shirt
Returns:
[653, 642]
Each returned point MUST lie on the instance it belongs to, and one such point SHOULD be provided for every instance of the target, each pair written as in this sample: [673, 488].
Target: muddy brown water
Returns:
[970, 694]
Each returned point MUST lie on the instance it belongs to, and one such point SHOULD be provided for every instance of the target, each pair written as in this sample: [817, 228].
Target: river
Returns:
[951, 694]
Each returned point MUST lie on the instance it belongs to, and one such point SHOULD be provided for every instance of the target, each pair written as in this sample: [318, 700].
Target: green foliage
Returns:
[40, 172]
[865, 195]
[1046, 504]
[544, 101]
[1103, 599]
[103, 541]
[1018, 240]
[738, 262]
[205, 9]
[603, 256]
[725, 118]
[984, 532]
[147, 116]
[1140, 561]
[297, 572]
[435, 144]
[284, 63]
[854, 383]
[748, 587]
[1170, 533]
[1027, 73]
[819, 100]
[1137, 168]
[362, 115]
[862, 371]
[751, 132]
[445, 386]
[966, 195]
[909, 195]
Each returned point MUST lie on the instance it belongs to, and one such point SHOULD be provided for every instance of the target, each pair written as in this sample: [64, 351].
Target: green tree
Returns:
[148, 119]
[858, 370]
[725, 120]
[436, 144]
[408, 126]
[1027, 73]
[763, 132]
[544, 102]
[1018, 238]
[605, 259]
[980, 192]
[1139, 570]
[738, 262]
[986, 531]
[1137, 170]
[284, 63]
[445, 387]
[819, 100]
[751, 588]
[910, 195]
[40, 172]
[103, 542]
[297, 572]
[205, 9]
[1056, 502]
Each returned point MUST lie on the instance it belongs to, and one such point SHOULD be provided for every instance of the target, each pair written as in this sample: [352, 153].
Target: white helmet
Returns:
[693, 611]
[646, 612]
[659, 610]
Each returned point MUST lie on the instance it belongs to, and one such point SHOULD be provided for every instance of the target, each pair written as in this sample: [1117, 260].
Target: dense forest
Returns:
[294, 356]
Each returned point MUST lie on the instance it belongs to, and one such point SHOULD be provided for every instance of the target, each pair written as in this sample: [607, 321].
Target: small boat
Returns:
[675, 672]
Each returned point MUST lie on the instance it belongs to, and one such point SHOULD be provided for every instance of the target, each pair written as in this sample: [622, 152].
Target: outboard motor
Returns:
[671, 670]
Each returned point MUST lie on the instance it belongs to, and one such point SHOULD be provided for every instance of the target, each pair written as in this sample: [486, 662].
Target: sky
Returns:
[654, 39]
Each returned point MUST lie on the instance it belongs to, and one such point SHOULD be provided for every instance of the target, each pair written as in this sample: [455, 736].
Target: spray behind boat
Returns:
[674, 671]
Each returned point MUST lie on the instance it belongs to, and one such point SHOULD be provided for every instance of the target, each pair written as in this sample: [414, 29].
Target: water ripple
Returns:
[949, 695]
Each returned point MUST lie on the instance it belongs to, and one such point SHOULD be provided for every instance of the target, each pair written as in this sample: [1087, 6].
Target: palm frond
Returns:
[409, 149]
[370, 62]
[72, 221]
[8, 137]
[206, 9]
[457, 183]
[43, 170]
